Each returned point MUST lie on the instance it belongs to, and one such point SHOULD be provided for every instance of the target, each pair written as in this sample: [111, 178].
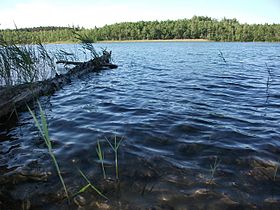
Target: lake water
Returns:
[179, 108]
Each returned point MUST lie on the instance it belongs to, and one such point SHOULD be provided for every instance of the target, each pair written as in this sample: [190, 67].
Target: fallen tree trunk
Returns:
[108, 65]
[68, 62]
[16, 98]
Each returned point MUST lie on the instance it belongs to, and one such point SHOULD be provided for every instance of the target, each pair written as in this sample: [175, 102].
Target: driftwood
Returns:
[108, 65]
[16, 98]
[68, 62]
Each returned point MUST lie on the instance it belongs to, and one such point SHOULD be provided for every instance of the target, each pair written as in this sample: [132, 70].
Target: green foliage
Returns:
[198, 27]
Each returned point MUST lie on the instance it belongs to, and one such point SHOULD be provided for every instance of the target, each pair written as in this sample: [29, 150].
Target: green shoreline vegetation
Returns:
[197, 28]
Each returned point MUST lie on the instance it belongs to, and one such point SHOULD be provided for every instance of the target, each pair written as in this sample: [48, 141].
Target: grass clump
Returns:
[24, 63]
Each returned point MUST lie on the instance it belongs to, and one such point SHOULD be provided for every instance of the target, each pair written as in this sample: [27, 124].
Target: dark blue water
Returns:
[178, 107]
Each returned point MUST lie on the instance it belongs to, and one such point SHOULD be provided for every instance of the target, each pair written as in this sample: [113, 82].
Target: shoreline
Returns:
[155, 40]
[137, 40]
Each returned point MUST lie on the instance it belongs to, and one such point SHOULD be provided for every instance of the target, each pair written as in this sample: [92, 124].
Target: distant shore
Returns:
[152, 40]
[156, 40]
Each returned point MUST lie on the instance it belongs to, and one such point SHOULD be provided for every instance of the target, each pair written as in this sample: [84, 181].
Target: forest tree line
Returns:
[198, 27]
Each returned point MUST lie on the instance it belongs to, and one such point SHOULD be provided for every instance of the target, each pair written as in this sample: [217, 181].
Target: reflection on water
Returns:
[179, 107]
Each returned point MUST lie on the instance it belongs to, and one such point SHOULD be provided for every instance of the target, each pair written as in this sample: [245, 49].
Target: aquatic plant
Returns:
[5, 66]
[213, 169]
[100, 154]
[115, 148]
[83, 189]
[221, 55]
[14, 112]
[43, 128]
[24, 63]
[47, 57]
[145, 188]
[276, 166]
[62, 55]
[90, 185]
[86, 43]
[269, 79]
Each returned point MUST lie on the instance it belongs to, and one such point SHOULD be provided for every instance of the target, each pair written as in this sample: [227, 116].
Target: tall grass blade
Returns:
[83, 189]
[92, 186]
[276, 167]
[115, 148]
[101, 158]
[43, 128]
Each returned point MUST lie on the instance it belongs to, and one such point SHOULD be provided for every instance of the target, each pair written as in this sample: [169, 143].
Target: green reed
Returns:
[86, 43]
[115, 148]
[23, 63]
[6, 69]
[43, 128]
[90, 185]
[100, 154]
[83, 189]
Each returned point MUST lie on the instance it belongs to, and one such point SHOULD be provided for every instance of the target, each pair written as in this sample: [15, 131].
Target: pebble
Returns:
[102, 205]
[79, 200]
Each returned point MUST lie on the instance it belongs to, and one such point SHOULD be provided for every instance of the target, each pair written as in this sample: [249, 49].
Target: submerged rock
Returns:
[79, 200]
[103, 206]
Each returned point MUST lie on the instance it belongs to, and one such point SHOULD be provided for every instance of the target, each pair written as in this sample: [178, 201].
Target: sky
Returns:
[91, 13]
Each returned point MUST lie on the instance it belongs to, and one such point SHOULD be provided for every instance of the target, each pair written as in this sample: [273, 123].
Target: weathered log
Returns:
[69, 62]
[17, 97]
[108, 65]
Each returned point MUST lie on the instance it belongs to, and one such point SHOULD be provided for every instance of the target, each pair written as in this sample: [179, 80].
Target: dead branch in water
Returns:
[16, 97]
[69, 62]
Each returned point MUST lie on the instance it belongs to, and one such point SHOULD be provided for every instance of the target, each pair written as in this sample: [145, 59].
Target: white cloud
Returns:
[92, 13]
[44, 13]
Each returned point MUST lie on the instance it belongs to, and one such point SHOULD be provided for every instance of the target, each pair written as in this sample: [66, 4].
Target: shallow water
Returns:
[178, 107]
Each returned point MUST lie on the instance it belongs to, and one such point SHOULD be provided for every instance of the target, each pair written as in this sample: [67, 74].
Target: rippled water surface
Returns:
[179, 108]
